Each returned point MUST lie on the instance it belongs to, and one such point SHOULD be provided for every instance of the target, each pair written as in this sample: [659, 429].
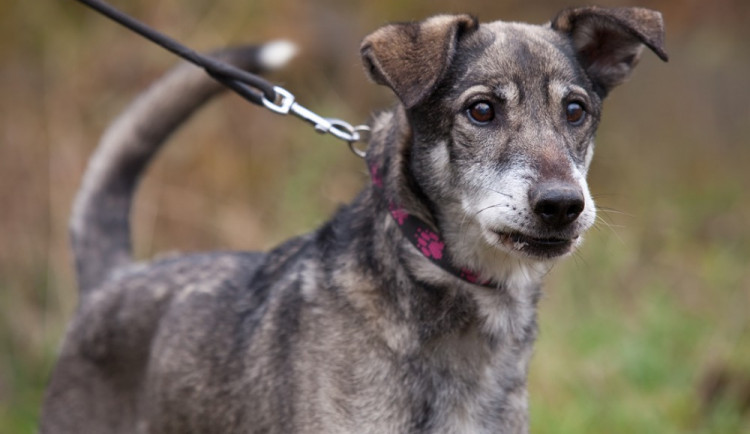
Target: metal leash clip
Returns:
[336, 127]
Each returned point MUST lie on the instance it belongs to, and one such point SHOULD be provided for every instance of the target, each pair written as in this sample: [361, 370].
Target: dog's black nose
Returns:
[557, 204]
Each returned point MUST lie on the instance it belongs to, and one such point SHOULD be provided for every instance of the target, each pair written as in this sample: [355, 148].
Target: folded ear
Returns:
[609, 41]
[410, 58]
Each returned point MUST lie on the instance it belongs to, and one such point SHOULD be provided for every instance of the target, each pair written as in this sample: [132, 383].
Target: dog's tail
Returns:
[99, 226]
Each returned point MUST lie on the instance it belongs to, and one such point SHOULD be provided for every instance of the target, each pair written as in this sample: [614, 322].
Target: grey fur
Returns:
[349, 328]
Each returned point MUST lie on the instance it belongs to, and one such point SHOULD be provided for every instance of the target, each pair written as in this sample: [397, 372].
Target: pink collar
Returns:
[427, 241]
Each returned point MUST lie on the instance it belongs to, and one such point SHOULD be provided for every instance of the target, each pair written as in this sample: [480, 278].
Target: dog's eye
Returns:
[481, 112]
[575, 113]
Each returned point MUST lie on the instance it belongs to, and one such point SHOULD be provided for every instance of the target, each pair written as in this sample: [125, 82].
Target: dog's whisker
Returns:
[613, 228]
[609, 224]
[607, 210]
[580, 257]
[579, 260]
[509, 196]
[497, 205]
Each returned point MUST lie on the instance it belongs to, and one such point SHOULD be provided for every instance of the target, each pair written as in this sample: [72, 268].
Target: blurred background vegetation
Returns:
[645, 330]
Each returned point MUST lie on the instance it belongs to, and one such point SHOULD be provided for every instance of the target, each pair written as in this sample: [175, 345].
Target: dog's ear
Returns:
[609, 41]
[410, 58]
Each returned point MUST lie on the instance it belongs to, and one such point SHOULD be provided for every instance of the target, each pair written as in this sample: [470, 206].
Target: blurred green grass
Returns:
[644, 330]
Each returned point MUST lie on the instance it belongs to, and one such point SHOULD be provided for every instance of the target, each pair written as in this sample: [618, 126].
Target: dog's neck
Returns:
[425, 237]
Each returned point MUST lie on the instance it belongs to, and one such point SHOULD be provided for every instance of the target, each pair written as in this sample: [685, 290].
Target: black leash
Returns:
[250, 86]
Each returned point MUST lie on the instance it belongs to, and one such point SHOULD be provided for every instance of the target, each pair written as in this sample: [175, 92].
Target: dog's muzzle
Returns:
[556, 205]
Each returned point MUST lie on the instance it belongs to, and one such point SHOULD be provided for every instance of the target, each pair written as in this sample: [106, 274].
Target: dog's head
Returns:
[502, 118]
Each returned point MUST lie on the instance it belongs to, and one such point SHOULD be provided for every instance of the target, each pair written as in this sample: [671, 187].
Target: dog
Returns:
[413, 310]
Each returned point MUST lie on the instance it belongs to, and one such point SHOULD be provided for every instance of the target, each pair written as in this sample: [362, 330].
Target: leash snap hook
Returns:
[285, 104]
[351, 135]
[361, 135]
[285, 98]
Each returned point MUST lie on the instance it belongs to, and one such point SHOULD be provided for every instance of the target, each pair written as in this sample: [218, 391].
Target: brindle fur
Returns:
[349, 329]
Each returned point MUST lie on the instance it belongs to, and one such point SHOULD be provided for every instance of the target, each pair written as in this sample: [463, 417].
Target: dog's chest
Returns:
[459, 388]
[468, 380]
[489, 396]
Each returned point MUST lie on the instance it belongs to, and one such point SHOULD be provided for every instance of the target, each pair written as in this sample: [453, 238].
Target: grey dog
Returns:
[413, 310]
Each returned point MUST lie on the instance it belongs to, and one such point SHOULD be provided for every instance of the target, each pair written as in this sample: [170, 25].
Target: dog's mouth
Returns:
[537, 247]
